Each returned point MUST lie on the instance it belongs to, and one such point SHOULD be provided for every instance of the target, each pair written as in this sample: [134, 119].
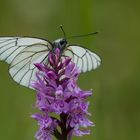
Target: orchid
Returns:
[62, 104]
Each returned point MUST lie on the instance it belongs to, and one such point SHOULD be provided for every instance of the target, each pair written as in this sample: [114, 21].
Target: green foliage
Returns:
[115, 103]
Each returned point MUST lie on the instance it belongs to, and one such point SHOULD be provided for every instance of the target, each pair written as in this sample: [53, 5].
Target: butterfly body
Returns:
[23, 52]
[60, 43]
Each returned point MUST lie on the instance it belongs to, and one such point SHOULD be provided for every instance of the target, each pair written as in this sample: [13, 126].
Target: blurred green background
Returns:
[115, 104]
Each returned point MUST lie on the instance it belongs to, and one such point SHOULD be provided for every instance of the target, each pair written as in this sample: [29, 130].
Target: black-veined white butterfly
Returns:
[23, 52]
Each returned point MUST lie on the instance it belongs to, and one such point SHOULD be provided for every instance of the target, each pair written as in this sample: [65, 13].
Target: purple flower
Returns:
[59, 95]
[47, 126]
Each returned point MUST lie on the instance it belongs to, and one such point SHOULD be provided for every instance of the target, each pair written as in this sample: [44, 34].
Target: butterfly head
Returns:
[60, 43]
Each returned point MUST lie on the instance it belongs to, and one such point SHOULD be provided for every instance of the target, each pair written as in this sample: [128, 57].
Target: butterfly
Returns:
[23, 52]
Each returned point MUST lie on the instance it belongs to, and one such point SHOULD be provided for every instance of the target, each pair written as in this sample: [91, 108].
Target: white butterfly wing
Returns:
[82, 57]
[22, 54]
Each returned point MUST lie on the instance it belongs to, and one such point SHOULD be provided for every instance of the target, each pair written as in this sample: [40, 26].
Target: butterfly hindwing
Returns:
[82, 57]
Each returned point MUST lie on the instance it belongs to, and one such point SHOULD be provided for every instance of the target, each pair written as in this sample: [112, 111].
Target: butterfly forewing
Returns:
[11, 46]
[22, 54]
[83, 58]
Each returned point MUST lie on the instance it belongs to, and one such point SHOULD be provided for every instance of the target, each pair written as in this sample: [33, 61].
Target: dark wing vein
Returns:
[12, 53]
[7, 44]
[87, 62]
[20, 69]
[21, 60]
[6, 40]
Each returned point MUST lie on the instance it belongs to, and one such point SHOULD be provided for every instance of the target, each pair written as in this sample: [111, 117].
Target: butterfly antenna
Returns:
[85, 35]
[63, 31]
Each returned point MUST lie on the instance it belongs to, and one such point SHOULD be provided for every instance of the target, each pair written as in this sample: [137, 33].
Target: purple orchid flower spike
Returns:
[59, 94]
